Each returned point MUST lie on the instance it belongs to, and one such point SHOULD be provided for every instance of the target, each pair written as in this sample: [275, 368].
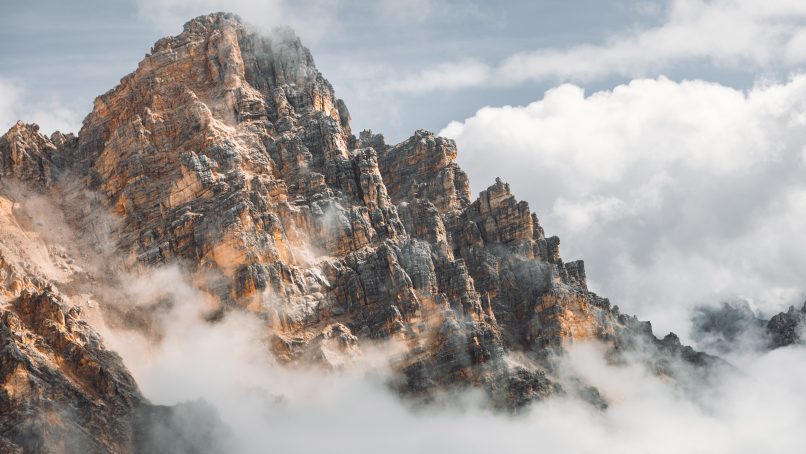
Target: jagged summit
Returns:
[227, 152]
[30, 156]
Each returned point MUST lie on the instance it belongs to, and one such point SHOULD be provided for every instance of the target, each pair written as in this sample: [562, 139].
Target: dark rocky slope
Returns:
[735, 325]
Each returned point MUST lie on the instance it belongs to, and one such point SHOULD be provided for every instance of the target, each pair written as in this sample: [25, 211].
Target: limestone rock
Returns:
[61, 389]
[32, 158]
[227, 152]
[735, 326]
[424, 167]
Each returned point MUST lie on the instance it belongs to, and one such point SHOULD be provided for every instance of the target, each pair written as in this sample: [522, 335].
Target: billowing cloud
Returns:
[675, 194]
[443, 76]
[722, 32]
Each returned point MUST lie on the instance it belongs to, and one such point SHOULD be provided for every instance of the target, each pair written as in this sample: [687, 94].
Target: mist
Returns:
[757, 405]
[226, 368]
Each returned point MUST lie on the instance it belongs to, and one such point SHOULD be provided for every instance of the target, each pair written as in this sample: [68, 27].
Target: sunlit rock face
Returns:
[27, 155]
[60, 389]
[228, 153]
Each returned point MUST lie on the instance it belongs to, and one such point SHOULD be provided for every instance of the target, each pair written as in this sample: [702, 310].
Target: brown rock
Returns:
[60, 390]
[228, 153]
[29, 157]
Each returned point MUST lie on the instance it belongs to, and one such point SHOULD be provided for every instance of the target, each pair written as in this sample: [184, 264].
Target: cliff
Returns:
[227, 152]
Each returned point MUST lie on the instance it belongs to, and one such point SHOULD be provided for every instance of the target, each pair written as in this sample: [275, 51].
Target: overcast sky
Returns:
[661, 140]
[400, 65]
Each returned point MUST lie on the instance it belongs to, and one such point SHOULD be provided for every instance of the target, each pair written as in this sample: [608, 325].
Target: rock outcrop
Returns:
[30, 157]
[786, 328]
[228, 153]
[60, 389]
[736, 326]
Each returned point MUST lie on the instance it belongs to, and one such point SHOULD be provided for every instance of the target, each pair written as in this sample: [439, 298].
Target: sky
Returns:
[400, 66]
[661, 140]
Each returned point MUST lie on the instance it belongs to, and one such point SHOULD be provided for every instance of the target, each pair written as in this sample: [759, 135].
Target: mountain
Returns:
[226, 153]
[736, 326]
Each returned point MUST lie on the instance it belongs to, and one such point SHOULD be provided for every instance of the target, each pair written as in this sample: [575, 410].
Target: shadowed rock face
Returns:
[227, 152]
[786, 328]
[735, 326]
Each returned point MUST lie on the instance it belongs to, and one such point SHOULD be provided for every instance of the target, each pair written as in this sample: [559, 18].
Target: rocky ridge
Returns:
[227, 152]
[736, 325]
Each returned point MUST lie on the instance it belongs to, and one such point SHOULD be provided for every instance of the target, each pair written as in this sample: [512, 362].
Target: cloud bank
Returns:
[675, 194]
[756, 408]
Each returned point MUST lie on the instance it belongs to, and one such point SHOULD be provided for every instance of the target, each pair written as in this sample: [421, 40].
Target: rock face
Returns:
[60, 389]
[787, 327]
[734, 326]
[228, 153]
[31, 157]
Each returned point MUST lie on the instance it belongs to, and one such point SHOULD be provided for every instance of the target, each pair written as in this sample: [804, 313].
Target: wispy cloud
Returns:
[724, 32]
[50, 114]
[738, 34]
[443, 76]
[312, 19]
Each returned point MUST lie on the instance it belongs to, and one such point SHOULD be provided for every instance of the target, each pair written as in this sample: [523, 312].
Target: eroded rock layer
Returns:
[229, 151]
[60, 389]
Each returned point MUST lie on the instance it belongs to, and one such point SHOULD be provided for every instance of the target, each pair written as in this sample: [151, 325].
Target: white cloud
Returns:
[580, 215]
[758, 407]
[675, 194]
[443, 76]
[311, 19]
[739, 34]
[51, 115]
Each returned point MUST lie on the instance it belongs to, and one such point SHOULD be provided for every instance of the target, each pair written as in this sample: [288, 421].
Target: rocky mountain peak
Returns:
[226, 153]
[31, 157]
